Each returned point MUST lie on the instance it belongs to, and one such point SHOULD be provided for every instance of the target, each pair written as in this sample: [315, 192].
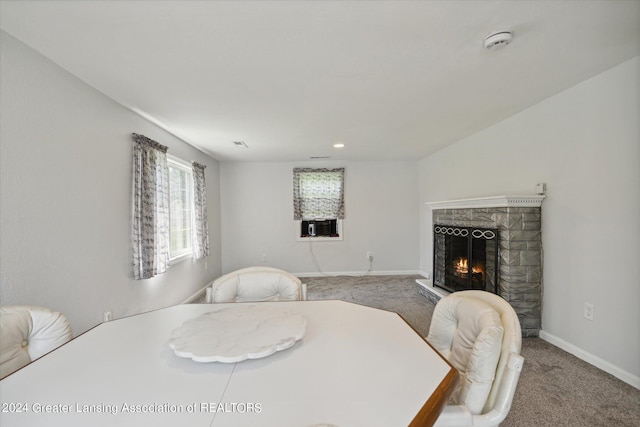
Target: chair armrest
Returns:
[458, 415]
[454, 415]
[509, 383]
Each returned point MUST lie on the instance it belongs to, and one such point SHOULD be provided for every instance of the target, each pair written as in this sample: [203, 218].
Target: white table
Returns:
[355, 366]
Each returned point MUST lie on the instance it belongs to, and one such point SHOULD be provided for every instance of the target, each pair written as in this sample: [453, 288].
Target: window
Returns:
[169, 209]
[180, 208]
[318, 202]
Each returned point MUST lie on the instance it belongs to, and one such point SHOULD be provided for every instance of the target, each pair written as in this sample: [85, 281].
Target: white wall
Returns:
[381, 215]
[64, 223]
[585, 144]
[65, 217]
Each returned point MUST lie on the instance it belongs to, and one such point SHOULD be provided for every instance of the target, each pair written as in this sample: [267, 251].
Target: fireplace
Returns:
[490, 243]
[465, 258]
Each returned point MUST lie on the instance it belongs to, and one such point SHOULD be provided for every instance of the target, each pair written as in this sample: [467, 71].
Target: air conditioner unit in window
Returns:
[319, 228]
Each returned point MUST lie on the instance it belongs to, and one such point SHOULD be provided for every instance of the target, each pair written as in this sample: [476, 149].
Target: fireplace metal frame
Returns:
[470, 233]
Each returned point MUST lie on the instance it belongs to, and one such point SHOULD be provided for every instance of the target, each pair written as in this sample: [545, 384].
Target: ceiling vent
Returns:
[498, 40]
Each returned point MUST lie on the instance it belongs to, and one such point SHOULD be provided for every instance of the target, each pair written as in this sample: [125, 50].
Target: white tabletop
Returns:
[355, 366]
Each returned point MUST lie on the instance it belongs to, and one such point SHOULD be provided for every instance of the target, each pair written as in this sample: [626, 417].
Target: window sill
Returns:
[180, 258]
[319, 239]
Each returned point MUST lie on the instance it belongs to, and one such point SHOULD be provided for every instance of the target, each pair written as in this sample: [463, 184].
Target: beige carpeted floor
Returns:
[555, 388]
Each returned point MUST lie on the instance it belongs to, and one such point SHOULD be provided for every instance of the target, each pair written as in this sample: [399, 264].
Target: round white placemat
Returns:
[240, 332]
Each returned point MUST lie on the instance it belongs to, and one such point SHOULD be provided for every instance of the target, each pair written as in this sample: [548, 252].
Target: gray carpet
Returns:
[555, 388]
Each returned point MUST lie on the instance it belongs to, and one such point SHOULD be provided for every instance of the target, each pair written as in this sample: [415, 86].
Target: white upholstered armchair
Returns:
[479, 333]
[254, 284]
[27, 333]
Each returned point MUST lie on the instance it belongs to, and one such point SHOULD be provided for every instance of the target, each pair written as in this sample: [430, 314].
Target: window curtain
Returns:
[200, 223]
[150, 239]
[318, 193]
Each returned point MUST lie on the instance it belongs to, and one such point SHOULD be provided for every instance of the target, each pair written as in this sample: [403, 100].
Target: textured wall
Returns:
[585, 144]
[381, 216]
[65, 210]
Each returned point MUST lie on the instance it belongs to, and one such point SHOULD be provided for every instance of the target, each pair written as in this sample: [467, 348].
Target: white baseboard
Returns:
[359, 273]
[599, 363]
[197, 295]
[426, 274]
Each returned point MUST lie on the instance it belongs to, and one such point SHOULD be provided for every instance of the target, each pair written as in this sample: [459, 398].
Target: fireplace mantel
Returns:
[526, 201]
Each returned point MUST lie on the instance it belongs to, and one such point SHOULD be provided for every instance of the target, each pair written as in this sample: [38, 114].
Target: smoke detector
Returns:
[499, 40]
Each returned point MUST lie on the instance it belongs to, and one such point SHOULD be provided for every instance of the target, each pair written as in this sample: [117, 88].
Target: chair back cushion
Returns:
[511, 342]
[254, 284]
[49, 331]
[27, 333]
[15, 327]
[469, 333]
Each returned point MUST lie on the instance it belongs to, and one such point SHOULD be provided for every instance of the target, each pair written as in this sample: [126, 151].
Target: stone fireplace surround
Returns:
[518, 220]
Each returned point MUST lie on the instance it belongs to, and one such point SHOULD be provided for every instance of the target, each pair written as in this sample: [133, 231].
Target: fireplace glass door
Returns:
[465, 258]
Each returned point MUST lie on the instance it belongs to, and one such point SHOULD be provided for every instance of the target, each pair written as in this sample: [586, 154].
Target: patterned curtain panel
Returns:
[200, 226]
[150, 239]
[318, 193]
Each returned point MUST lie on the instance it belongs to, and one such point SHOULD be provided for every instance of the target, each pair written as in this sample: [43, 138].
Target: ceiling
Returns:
[392, 80]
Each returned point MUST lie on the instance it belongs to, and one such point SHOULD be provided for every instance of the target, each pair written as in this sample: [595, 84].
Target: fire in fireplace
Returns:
[465, 258]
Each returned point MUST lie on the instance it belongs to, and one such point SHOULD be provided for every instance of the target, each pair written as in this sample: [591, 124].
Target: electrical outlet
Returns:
[588, 311]
[107, 316]
[264, 257]
[369, 256]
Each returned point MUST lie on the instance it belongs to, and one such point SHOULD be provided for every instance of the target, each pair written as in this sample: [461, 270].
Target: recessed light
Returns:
[338, 145]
